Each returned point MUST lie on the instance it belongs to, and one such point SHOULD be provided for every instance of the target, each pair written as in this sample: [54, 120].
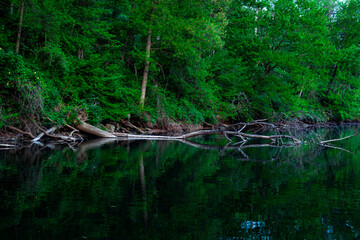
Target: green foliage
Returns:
[21, 86]
[210, 60]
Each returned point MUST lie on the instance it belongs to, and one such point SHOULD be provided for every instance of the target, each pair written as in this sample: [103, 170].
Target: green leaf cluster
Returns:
[208, 60]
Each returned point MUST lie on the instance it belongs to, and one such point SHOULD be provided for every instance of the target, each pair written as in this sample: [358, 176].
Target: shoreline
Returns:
[173, 130]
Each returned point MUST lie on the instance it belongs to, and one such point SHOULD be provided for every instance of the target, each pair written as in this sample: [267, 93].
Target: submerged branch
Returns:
[338, 148]
[338, 139]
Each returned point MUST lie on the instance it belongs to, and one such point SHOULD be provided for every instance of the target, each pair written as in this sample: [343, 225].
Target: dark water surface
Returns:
[172, 190]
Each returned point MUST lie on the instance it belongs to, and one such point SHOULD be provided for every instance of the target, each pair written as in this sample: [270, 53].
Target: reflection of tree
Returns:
[143, 188]
[182, 192]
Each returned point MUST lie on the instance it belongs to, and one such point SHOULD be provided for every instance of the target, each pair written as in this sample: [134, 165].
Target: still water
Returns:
[174, 190]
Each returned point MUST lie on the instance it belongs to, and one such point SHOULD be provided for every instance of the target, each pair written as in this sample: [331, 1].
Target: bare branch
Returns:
[22, 132]
[338, 139]
[7, 145]
[339, 148]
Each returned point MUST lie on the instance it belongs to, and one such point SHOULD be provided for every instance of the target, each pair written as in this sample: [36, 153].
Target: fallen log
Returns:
[117, 134]
[185, 136]
[7, 145]
[200, 132]
[207, 132]
[94, 130]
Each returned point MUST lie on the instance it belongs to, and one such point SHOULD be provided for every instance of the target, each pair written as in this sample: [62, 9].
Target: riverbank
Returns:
[10, 134]
[124, 128]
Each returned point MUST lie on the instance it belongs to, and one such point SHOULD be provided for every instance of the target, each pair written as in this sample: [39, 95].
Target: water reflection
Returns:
[172, 190]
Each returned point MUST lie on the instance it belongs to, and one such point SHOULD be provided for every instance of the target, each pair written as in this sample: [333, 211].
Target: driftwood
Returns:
[234, 130]
[62, 137]
[43, 133]
[49, 133]
[7, 145]
[188, 135]
[117, 134]
[208, 132]
[94, 130]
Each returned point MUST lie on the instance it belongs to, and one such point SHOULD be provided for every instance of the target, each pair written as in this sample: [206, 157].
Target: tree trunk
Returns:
[124, 50]
[147, 60]
[143, 189]
[146, 69]
[256, 17]
[20, 26]
[268, 69]
[81, 53]
[332, 79]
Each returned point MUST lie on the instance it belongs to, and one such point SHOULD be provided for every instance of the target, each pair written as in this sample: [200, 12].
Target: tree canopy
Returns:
[192, 61]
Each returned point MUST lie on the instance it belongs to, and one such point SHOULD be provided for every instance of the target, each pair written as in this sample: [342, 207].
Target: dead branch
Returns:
[65, 124]
[62, 137]
[254, 123]
[117, 134]
[188, 135]
[227, 137]
[73, 132]
[338, 139]
[22, 132]
[7, 145]
[207, 132]
[125, 130]
[338, 148]
[71, 127]
[130, 125]
[43, 133]
[198, 133]
[271, 137]
[235, 130]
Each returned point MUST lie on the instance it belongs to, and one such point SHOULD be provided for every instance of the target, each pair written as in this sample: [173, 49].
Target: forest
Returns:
[187, 61]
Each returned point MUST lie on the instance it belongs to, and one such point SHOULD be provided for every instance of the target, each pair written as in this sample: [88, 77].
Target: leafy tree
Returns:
[193, 61]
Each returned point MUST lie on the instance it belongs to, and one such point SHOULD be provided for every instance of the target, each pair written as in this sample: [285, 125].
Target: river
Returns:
[173, 190]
